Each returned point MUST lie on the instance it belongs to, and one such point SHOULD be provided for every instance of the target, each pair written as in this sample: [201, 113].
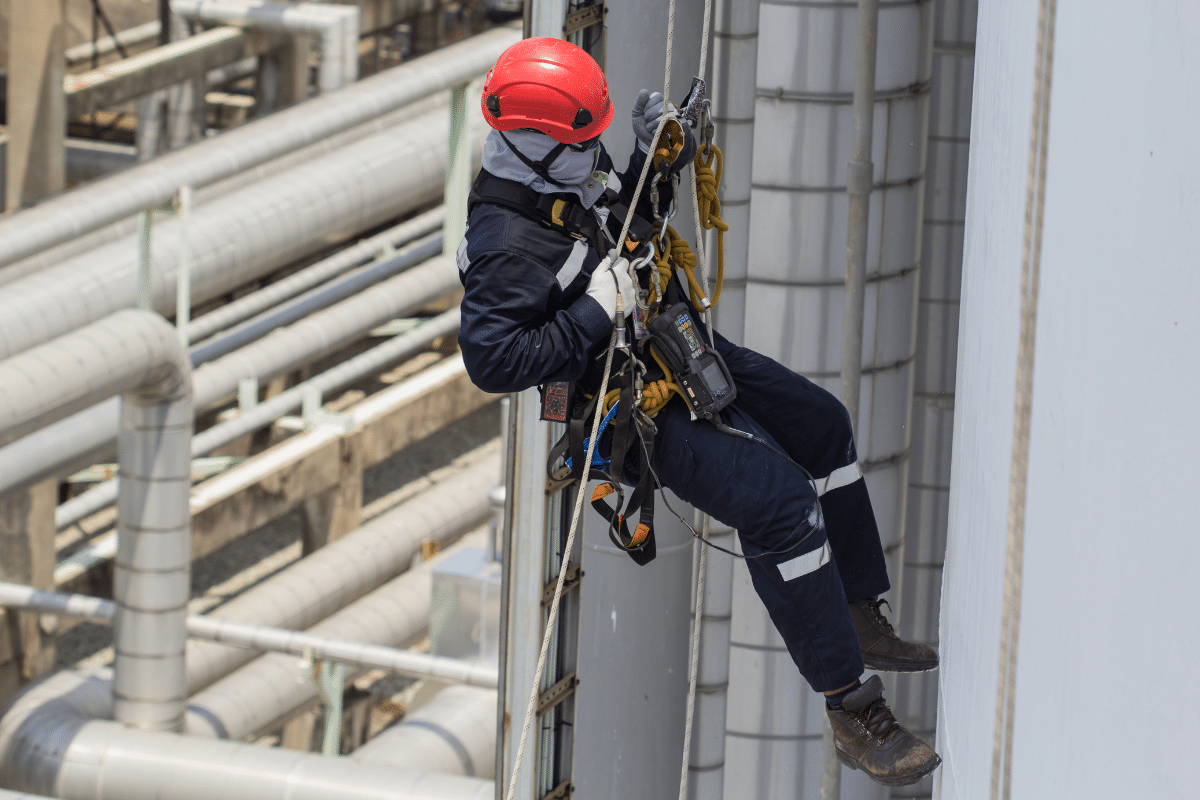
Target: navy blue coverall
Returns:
[526, 320]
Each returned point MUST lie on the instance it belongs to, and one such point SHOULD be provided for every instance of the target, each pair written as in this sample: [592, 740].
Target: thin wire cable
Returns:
[562, 573]
[694, 659]
[1031, 257]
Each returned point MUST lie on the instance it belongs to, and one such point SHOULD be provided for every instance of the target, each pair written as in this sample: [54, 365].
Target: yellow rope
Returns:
[708, 179]
[655, 394]
[678, 254]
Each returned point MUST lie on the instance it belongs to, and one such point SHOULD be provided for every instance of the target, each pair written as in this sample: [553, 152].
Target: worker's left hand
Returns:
[647, 108]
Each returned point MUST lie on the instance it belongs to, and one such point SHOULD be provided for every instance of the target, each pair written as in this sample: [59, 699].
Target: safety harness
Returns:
[560, 212]
[670, 354]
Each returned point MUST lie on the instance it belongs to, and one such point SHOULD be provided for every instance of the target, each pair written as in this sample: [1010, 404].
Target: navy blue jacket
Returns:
[526, 317]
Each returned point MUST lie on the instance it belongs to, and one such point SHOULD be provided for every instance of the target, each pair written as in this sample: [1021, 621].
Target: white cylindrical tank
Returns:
[794, 304]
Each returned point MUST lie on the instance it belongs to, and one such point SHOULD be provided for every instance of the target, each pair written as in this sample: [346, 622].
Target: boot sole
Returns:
[896, 780]
[883, 665]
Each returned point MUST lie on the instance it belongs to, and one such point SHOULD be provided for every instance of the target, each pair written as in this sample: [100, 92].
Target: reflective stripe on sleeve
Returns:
[573, 264]
[461, 256]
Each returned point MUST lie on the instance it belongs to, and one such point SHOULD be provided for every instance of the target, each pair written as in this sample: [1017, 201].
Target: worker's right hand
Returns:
[609, 279]
[647, 108]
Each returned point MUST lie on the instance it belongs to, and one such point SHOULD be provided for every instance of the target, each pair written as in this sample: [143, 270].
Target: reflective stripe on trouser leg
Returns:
[813, 427]
[770, 502]
[800, 566]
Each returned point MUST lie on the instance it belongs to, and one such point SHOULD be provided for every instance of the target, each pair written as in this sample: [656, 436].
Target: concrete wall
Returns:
[1107, 625]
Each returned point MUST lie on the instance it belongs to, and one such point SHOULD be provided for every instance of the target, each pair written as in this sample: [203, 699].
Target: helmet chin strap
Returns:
[540, 168]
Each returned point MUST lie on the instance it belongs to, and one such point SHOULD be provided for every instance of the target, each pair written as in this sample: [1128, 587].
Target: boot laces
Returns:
[878, 719]
[877, 615]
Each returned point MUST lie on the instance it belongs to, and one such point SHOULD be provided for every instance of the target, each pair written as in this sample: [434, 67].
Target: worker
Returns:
[542, 278]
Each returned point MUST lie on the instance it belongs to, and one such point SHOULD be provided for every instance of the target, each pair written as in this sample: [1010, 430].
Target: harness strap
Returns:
[540, 168]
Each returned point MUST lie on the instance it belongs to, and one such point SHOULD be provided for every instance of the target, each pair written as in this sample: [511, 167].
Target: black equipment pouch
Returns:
[699, 370]
[557, 400]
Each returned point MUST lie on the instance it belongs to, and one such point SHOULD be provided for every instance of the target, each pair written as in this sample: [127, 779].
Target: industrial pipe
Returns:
[734, 71]
[236, 707]
[53, 256]
[337, 27]
[153, 184]
[247, 306]
[350, 567]
[285, 313]
[108, 44]
[248, 234]
[54, 740]
[265, 638]
[368, 363]
[454, 733]
[86, 436]
[136, 354]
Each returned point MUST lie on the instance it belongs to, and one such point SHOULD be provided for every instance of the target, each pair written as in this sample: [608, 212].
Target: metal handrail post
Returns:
[458, 170]
[859, 179]
[183, 285]
[145, 262]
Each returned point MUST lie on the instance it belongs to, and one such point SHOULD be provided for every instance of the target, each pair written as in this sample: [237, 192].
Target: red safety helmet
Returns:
[549, 85]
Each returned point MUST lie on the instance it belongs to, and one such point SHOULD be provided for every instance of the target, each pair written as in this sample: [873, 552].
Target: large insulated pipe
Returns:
[357, 280]
[54, 741]
[454, 733]
[336, 26]
[136, 354]
[248, 234]
[371, 362]
[87, 435]
[348, 568]
[796, 304]
[260, 696]
[150, 185]
[256, 302]
[53, 256]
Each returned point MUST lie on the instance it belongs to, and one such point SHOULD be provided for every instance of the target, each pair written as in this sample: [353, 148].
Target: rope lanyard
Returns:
[1031, 257]
[702, 172]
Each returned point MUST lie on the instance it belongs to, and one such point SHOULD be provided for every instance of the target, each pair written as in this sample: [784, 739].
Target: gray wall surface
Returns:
[1110, 542]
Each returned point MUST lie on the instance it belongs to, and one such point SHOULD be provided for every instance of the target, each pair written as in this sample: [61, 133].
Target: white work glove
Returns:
[607, 280]
[647, 108]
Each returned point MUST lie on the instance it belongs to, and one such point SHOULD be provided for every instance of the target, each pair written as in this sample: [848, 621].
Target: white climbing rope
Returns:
[702, 563]
[1031, 258]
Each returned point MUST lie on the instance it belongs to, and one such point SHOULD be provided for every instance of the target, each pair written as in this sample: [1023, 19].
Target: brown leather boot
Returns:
[866, 736]
[881, 647]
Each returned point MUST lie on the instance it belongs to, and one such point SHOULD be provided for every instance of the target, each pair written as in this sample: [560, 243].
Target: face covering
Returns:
[570, 171]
